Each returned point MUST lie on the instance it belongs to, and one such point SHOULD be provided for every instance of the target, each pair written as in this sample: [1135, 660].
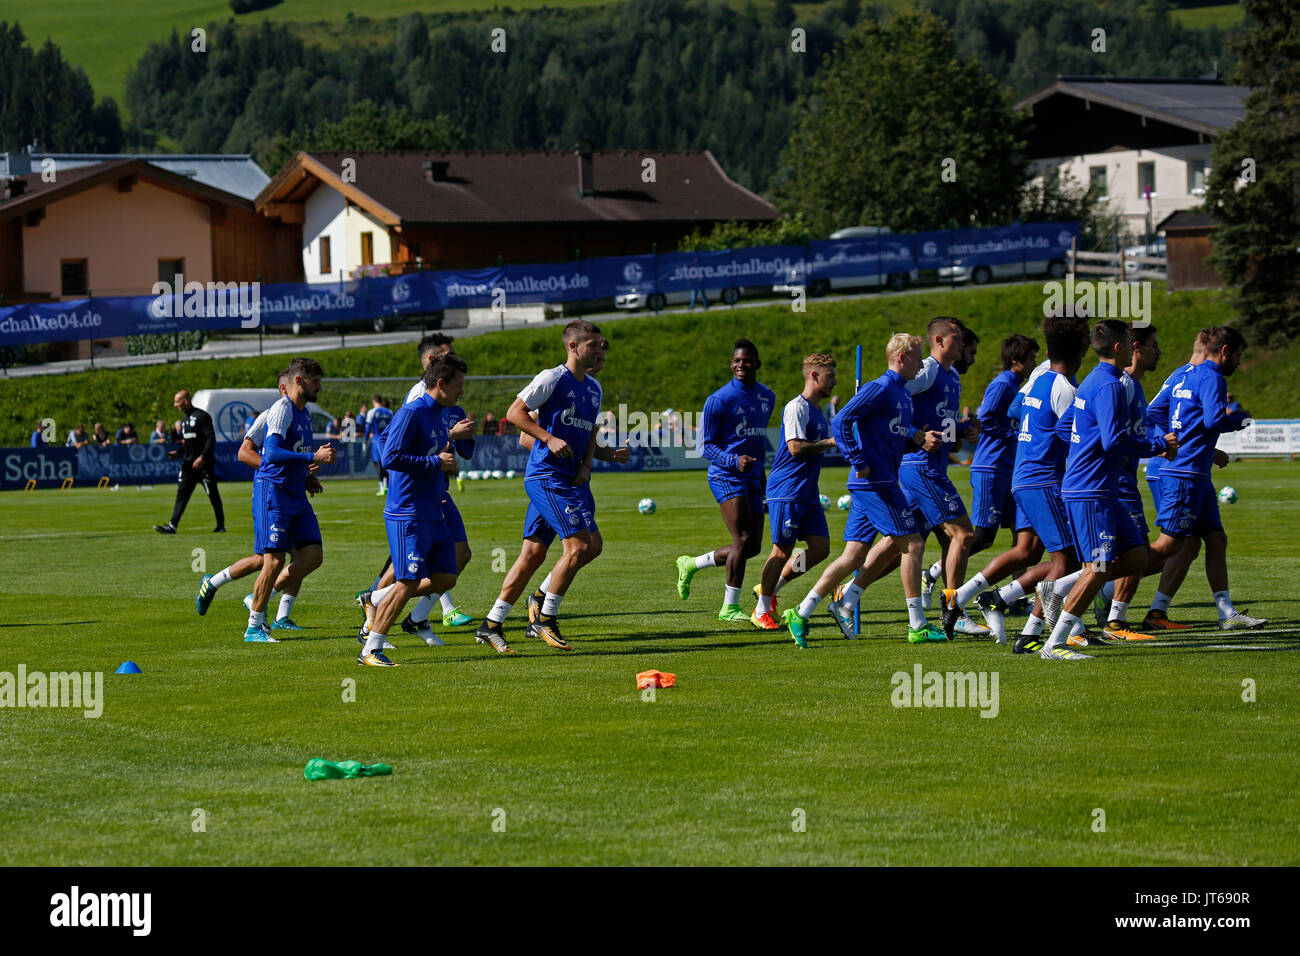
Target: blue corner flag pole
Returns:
[857, 384]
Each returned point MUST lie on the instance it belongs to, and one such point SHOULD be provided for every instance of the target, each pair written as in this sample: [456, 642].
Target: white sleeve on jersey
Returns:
[257, 431]
[1062, 395]
[537, 391]
[924, 378]
[417, 391]
[1043, 366]
[795, 419]
[279, 418]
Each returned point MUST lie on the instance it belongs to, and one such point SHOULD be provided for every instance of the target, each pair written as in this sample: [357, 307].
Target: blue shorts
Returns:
[878, 510]
[1103, 529]
[934, 496]
[1132, 503]
[1043, 510]
[1154, 485]
[455, 523]
[419, 548]
[992, 504]
[281, 522]
[558, 509]
[796, 521]
[726, 487]
[1187, 506]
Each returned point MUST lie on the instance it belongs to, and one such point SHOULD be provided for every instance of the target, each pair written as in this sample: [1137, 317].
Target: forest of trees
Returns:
[662, 74]
[46, 100]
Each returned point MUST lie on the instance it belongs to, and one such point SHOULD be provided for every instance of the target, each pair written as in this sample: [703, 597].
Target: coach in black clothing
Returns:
[199, 463]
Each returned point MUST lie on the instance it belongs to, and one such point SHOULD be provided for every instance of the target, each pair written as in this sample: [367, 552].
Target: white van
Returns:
[231, 407]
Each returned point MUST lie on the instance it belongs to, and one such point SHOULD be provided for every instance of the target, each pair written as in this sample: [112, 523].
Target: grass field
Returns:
[1223, 15]
[586, 771]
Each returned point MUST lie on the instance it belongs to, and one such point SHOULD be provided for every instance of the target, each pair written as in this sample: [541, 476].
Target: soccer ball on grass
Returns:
[1228, 495]
[646, 506]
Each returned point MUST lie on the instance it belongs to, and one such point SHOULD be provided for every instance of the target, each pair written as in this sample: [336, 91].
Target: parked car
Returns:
[971, 270]
[229, 407]
[658, 300]
[897, 280]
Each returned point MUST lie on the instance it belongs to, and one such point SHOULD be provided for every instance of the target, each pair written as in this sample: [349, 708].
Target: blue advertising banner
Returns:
[216, 305]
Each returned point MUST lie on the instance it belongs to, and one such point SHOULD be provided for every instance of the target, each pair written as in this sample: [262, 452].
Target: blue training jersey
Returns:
[734, 423]
[413, 441]
[286, 447]
[996, 449]
[1158, 415]
[873, 429]
[451, 414]
[795, 479]
[1137, 427]
[1036, 408]
[1200, 415]
[936, 401]
[1097, 426]
[378, 421]
[567, 408]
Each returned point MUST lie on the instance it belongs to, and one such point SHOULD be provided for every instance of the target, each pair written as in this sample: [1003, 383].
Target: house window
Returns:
[367, 248]
[1097, 181]
[1146, 178]
[325, 266]
[1196, 172]
[73, 277]
[169, 269]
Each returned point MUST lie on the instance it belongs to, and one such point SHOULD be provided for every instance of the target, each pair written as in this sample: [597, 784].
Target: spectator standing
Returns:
[159, 435]
[79, 438]
[101, 437]
[126, 435]
[334, 429]
[38, 440]
[490, 425]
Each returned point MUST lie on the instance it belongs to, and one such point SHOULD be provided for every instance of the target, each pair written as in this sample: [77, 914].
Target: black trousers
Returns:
[189, 477]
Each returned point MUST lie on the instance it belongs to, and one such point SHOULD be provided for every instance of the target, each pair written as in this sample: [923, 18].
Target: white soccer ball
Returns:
[498, 473]
[646, 506]
[511, 473]
[1228, 495]
[825, 501]
[844, 502]
[475, 475]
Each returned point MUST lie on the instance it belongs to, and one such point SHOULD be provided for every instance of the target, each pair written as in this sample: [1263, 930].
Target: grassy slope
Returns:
[665, 361]
[106, 40]
[587, 772]
[1202, 18]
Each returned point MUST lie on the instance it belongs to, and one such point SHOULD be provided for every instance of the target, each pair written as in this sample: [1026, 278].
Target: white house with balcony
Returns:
[1144, 143]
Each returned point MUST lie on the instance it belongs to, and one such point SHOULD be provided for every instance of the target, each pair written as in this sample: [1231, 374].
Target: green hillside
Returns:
[656, 362]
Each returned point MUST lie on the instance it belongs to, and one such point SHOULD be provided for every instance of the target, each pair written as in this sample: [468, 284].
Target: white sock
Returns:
[1118, 611]
[1108, 591]
[1063, 585]
[764, 605]
[286, 605]
[551, 606]
[780, 583]
[420, 613]
[256, 618]
[852, 594]
[1033, 626]
[809, 604]
[966, 593]
[915, 615]
[446, 603]
[1160, 602]
[936, 570]
[1226, 610]
[730, 595]
[1064, 628]
[1012, 592]
[374, 642]
[1077, 628]
[220, 578]
[705, 561]
[499, 611]
[379, 594]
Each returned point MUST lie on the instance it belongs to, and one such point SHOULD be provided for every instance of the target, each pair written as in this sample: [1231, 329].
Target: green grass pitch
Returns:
[564, 751]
